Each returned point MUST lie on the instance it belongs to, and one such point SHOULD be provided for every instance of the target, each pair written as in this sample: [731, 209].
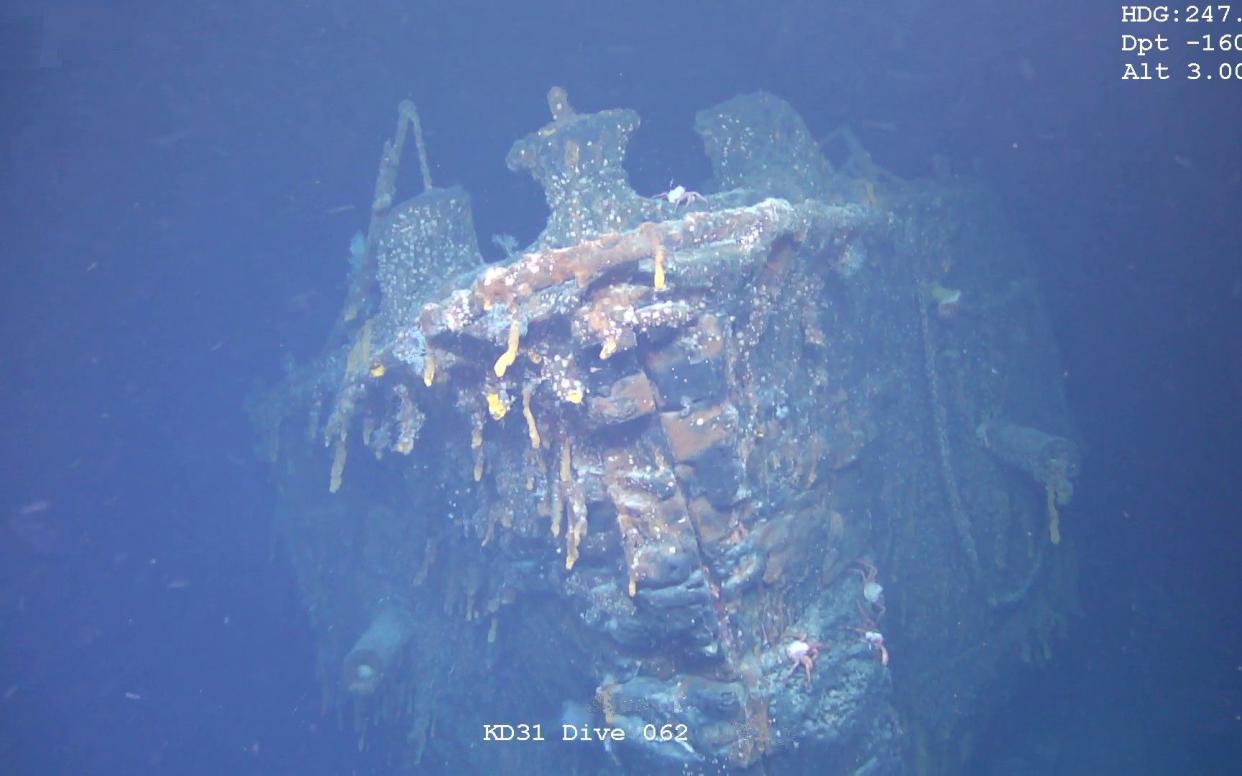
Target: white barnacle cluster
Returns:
[508, 244]
[410, 347]
[853, 257]
[750, 237]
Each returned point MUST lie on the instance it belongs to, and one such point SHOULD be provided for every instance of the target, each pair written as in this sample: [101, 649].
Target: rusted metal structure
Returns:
[759, 477]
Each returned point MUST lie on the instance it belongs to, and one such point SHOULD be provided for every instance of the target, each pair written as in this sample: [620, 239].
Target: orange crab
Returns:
[872, 591]
[871, 635]
[875, 640]
[802, 652]
[679, 196]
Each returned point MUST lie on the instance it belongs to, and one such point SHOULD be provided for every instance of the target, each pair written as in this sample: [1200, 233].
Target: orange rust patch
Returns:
[690, 436]
[712, 524]
[789, 540]
[711, 341]
[630, 397]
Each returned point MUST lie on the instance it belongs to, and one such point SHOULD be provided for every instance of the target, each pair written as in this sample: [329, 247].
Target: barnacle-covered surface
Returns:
[768, 472]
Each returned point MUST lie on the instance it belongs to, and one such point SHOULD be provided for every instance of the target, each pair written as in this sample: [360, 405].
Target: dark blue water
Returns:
[180, 183]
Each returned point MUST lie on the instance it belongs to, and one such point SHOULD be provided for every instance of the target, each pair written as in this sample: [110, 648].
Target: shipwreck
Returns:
[764, 475]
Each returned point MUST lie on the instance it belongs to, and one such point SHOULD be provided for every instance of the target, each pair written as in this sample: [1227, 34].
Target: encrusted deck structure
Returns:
[745, 474]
